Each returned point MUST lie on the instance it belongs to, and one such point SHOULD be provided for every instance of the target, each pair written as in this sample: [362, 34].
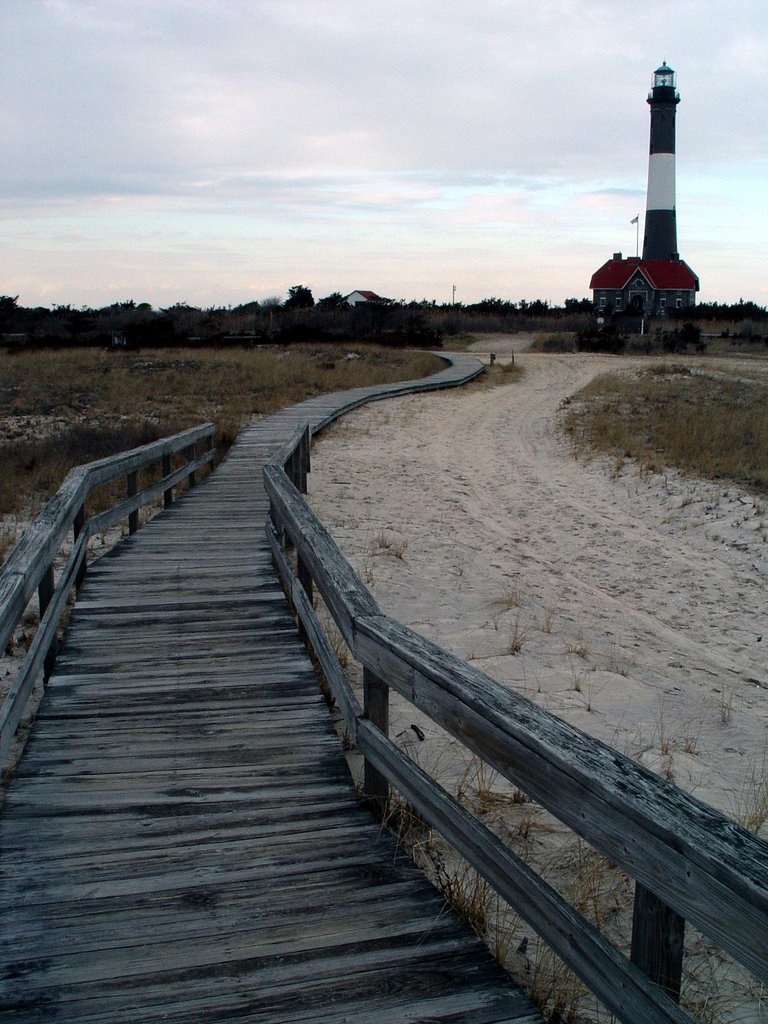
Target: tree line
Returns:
[299, 318]
[296, 318]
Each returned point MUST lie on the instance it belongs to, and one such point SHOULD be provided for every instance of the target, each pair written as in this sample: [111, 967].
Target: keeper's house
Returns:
[359, 298]
[643, 287]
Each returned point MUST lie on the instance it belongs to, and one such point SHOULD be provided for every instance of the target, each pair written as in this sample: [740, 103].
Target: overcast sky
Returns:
[217, 151]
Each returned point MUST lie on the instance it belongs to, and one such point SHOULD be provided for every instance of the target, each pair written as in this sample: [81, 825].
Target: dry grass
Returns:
[750, 803]
[498, 375]
[389, 544]
[519, 635]
[703, 422]
[715, 989]
[511, 598]
[62, 408]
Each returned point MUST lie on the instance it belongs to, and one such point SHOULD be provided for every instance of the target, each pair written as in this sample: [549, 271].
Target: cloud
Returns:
[451, 116]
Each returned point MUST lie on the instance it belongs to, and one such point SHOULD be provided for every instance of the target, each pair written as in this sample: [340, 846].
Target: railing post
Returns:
[77, 529]
[376, 710]
[304, 447]
[166, 470]
[657, 941]
[304, 577]
[277, 523]
[44, 594]
[133, 517]
[190, 458]
[208, 448]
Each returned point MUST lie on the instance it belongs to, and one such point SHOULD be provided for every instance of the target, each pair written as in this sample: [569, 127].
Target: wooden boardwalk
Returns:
[181, 840]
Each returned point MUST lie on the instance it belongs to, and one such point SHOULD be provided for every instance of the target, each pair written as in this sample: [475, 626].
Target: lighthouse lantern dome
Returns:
[664, 76]
[663, 90]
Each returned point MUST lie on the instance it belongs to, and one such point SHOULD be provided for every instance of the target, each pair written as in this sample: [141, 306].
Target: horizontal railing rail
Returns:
[689, 862]
[29, 567]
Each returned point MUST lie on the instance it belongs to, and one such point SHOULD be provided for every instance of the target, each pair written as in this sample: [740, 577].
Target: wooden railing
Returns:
[30, 565]
[689, 862]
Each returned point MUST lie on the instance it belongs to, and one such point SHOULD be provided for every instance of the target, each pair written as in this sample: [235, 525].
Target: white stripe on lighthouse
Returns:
[661, 182]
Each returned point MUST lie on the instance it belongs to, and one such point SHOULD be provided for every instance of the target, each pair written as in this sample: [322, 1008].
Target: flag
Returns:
[635, 219]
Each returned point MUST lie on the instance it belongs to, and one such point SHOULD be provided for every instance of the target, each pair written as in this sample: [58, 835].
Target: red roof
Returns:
[660, 274]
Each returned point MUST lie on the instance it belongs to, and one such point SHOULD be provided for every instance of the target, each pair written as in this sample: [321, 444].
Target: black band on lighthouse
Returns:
[662, 128]
[660, 238]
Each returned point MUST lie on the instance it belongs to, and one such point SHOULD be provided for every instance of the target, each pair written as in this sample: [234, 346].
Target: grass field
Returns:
[701, 419]
[61, 408]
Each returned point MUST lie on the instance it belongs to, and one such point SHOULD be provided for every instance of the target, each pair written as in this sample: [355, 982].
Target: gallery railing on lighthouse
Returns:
[689, 862]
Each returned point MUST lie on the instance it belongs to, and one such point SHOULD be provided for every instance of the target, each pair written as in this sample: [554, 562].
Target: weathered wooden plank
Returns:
[80, 720]
[149, 757]
[280, 865]
[118, 865]
[184, 650]
[55, 835]
[238, 908]
[61, 839]
[185, 641]
[67, 726]
[427, 983]
[288, 689]
[294, 963]
[121, 610]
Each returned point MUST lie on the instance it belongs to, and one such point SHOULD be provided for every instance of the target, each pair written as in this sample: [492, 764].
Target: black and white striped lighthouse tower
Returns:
[659, 281]
[660, 238]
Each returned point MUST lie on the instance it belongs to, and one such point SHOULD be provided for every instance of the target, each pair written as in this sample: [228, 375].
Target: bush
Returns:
[683, 339]
[565, 342]
[601, 338]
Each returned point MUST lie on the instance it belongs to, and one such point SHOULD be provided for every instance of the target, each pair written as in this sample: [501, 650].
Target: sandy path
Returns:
[631, 606]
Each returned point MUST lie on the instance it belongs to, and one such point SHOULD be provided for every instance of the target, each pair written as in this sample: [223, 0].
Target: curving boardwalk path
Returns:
[181, 841]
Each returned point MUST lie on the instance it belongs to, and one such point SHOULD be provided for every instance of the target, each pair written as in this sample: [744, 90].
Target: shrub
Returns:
[601, 338]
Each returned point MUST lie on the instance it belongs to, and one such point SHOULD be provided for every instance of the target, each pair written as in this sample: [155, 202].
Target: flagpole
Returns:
[636, 221]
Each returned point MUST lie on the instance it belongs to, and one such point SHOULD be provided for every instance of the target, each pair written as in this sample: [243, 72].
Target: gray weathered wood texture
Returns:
[181, 841]
[690, 862]
[30, 558]
[31, 562]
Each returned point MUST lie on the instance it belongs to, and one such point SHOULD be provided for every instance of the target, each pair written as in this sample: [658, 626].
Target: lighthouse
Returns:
[657, 282]
[660, 239]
